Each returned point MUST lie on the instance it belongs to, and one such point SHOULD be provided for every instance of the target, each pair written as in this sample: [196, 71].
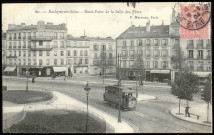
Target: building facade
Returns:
[77, 55]
[153, 44]
[102, 59]
[37, 48]
[157, 45]
[4, 50]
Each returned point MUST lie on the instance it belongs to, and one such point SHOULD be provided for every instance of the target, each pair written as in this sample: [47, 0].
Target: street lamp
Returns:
[119, 85]
[87, 89]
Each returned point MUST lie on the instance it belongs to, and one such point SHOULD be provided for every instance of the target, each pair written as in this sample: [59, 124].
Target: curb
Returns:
[189, 121]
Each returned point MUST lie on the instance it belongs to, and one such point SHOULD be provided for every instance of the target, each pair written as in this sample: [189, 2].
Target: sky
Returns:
[97, 19]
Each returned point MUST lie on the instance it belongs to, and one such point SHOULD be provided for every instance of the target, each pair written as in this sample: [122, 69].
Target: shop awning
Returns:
[59, 69]
[9, 69]
[202, 74]
[160, 71]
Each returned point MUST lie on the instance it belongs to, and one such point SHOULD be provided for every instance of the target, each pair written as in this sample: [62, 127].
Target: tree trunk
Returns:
[179, 106]
[207, 111]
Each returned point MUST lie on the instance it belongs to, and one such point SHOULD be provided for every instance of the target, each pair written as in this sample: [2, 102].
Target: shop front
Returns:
[10, 71]
[160, 76]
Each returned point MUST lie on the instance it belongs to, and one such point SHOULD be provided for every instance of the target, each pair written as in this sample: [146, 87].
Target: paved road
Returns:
[150, 116]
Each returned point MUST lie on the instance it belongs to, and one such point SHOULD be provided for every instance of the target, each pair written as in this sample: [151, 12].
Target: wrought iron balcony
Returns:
[190, 57]
[200, 56]
[11, 56]
[19, 37]
[40, 49]
[41, 38]
[10, 37]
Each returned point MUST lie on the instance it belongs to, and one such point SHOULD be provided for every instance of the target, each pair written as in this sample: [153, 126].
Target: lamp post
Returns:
[87, 89]
[119, 84]
[27, 70]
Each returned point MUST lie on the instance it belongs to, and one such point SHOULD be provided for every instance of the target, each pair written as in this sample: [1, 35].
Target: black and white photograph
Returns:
[107, 67]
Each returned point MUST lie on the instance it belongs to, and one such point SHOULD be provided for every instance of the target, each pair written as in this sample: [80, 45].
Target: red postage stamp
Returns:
[194, 20]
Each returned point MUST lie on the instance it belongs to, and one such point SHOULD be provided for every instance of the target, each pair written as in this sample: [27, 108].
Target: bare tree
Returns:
[139, 66]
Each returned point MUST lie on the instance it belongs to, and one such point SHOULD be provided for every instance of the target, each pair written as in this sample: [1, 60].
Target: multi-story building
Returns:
[77, 55]
[40, 48]
[102, 58]
[198, 55]
[153, 44]
[4, 43]
[157, 45]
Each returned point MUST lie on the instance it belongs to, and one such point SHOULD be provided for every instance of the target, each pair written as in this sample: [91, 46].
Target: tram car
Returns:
[128, 101]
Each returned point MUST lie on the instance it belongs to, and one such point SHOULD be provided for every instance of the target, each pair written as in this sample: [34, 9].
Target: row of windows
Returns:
[200, 53]
[102, 47]
[101, 62]
[141, 42]
[147, 64]
[23, 35]
[77, 43]
[148, 52]
[198, 42]
[75, 53]
[77, 61]
[102, 55]
[41, 53]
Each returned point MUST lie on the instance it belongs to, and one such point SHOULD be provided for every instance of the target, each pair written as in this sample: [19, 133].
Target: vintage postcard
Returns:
[125, 67]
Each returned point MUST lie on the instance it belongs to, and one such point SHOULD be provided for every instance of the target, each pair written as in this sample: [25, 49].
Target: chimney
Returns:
[40, 25]
[22, 24]
[63, 25]
[162, 22]
[148, 26]
[49, 23]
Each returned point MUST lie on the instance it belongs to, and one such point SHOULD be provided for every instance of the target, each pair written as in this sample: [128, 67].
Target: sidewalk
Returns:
[95, 80]
[200, 110]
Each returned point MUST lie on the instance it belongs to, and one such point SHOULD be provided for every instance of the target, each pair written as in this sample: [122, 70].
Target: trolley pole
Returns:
[119, 84]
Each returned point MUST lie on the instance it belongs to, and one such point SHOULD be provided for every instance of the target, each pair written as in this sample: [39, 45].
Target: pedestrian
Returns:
[187, 111]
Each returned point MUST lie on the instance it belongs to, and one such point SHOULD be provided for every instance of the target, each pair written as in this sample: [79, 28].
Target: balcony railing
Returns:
[41, 38]
[156, 55]
[190, 46]
[200, 56]
[191, 67]
[10, 37]
[14, 47]
[19, 37]
[40, 49]
[190, 57]
[164, 55]
[148, 55]
[29, 37]
[11, 56]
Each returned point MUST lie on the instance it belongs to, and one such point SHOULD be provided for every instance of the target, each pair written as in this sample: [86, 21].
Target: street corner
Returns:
[198, 114]
[143, 97]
